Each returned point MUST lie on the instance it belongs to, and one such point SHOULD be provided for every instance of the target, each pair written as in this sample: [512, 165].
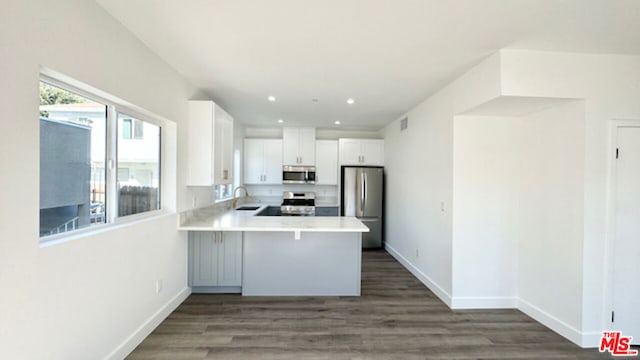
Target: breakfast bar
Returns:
[292, 255]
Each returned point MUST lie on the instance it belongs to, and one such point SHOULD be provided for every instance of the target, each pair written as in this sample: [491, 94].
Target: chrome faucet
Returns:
[235, 199]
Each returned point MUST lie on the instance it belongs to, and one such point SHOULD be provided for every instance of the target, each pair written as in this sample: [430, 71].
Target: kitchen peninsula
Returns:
[290, 255]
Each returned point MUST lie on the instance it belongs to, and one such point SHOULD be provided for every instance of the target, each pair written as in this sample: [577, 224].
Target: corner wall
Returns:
[419, 177]
[550, 227]
[609, 85]
[94, 295]
[421, 174]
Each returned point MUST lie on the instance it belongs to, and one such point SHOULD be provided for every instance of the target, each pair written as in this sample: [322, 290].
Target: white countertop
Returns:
[242, 220]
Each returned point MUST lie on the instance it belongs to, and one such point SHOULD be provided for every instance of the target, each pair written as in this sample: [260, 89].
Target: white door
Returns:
[326, 162]
[307, 146]
[626, 244]
[253, 161]
[350, 152]
[272, 162]
[291, 146]
[372, 152]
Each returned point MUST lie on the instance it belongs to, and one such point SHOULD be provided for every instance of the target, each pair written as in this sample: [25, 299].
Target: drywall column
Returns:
[486, 184]
[551, 220]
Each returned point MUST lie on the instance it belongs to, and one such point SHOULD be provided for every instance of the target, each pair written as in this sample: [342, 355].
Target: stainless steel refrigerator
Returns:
[361, 196]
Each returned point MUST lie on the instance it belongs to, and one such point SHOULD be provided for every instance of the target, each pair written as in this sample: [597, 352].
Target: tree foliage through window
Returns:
[50, 95]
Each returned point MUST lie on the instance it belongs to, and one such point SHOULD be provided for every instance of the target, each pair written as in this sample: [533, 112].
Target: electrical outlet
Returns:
[442, 206]
[158, 286]
[195, 201]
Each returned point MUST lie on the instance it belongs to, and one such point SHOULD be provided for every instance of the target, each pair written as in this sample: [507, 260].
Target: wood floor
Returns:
[395, 318]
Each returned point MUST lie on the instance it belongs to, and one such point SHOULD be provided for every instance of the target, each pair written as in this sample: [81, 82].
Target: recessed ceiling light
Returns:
[271, 98]
[350, 101]
[280, 121]
[337, 122]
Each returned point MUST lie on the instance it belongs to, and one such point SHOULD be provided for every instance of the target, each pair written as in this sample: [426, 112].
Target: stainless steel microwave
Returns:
[298, 174]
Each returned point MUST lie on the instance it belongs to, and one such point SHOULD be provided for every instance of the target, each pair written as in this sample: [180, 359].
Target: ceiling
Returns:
[388, 55]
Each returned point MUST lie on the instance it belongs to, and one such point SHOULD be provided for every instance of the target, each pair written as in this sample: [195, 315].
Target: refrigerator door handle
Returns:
[362, 193]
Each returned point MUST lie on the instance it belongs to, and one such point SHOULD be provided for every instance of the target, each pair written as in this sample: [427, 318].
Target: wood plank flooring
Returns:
[395, 318]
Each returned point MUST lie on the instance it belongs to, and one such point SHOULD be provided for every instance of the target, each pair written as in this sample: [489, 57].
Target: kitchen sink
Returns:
[248, 208]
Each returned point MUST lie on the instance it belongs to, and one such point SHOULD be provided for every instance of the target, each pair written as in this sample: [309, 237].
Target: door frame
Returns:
[611, 216]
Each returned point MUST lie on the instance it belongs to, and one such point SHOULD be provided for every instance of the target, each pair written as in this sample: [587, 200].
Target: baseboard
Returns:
[591, 339]
[216, 289]
[572, 334]
[427, 281]
[478, 302]
[130, 343]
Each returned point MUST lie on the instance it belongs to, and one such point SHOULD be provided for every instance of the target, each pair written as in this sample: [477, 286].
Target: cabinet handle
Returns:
[264, 177]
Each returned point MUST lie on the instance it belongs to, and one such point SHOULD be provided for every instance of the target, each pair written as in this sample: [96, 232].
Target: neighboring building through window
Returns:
[73, 157]
[138, 168]
[132, 129]
[72, 161]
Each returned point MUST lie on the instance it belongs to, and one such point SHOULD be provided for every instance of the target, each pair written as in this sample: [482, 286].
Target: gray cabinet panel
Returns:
[215, 259]
[204, 258]
[230, 259]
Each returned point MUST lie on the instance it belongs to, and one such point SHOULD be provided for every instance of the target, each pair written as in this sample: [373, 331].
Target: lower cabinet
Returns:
[215, 261]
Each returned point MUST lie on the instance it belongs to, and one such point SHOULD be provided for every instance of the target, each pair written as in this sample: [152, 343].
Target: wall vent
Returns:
[404, 124]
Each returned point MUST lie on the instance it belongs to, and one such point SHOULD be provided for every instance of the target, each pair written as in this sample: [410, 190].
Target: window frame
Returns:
[113, 108]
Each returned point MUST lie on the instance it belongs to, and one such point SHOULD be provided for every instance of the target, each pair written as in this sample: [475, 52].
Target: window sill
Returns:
[98, 229]
[223, 200]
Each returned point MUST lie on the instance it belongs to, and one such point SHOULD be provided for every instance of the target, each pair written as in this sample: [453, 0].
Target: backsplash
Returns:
[277, 190]
[272, 194]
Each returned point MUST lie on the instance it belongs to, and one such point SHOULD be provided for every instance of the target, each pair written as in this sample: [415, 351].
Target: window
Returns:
[76, 175]
[126, 129]
[72, 160]
[132, 129]
[223, 191]
[138, 127]
[138, 169]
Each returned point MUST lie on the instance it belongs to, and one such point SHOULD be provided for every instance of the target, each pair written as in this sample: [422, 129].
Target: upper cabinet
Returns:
[210, 145]
[262, 161]
[326, 162]
[361, 152]
[299, 146]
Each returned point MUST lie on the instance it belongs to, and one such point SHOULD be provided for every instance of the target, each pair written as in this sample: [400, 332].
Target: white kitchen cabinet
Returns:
[262, 161]
[326, 162]
[299, 146]
[215, 260]
[209, 145]
[366, 152]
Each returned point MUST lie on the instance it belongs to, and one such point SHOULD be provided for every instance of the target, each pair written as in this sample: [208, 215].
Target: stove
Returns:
[296, 203]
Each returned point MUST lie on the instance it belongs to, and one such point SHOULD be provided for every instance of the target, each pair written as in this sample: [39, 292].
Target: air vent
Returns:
[404, 124]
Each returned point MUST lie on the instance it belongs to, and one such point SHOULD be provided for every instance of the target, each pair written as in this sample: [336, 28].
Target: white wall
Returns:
[567, 210]
[487, 161]
[419, 171]
[551, 217]
[83, 298]
[609, 85]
